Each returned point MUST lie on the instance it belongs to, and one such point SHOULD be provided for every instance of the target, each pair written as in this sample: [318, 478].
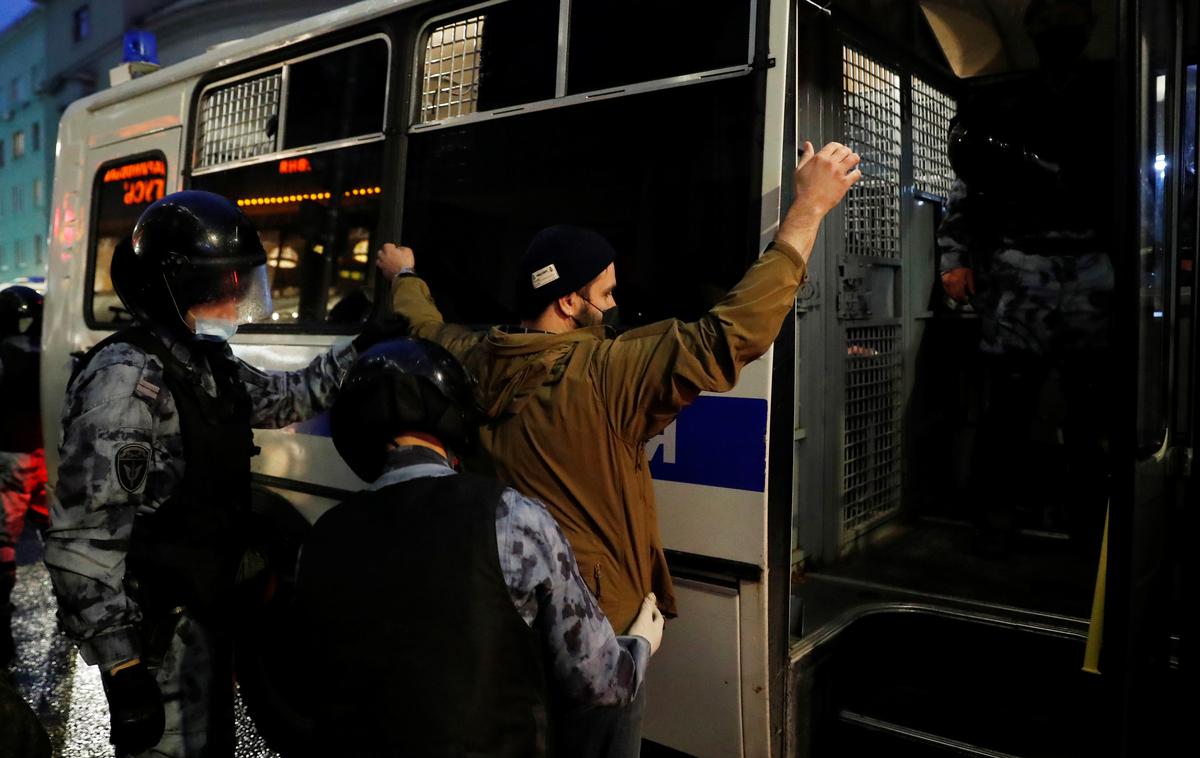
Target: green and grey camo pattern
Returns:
[117, 403]
[1027, 299]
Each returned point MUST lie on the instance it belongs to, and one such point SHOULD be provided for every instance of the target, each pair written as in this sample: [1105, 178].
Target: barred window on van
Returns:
[330, 97]
[239, 121]
[504, 55]
[122, 189]
[451, 80]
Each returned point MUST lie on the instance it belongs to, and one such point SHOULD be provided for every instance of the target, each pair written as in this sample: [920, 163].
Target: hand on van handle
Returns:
[649, 623]
[822, 178]
[821, 181]
[392, 259]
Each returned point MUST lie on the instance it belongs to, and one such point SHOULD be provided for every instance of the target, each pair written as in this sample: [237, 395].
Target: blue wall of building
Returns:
[28, 127]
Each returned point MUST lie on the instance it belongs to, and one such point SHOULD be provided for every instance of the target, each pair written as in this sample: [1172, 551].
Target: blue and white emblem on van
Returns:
[716, 442]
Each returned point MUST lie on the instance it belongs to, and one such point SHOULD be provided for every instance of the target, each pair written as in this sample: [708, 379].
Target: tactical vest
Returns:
[20, 411]
[416, 646]
[187, 552]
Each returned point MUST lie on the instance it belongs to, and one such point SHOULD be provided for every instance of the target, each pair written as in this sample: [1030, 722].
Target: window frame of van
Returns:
[281, 130]
[188, 170]
[89, 289]
[561, 99]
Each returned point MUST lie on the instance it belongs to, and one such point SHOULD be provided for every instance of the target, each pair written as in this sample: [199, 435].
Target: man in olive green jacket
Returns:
[573, 407]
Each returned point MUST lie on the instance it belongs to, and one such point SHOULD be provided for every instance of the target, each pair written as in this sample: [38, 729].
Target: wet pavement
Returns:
[63, 691]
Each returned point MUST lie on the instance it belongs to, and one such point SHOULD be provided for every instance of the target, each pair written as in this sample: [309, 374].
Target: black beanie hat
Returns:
[559, 260]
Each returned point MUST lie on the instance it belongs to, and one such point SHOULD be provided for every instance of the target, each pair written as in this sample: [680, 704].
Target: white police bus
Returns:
[816, 516]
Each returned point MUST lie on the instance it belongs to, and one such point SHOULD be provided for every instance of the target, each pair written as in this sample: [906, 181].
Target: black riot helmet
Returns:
[402, 385]
[20, 311]
[194, 266]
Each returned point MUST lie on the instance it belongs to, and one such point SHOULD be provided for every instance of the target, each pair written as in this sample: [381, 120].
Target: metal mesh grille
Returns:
[235, 121]
[871, 458]
[932, 110]
[871, 124]
[451, 82]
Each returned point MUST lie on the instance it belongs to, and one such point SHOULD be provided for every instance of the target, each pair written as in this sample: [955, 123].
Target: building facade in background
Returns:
[63, 50]
[27, 126]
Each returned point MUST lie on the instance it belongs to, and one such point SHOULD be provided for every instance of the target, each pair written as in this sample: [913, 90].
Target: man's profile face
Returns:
[600, 296]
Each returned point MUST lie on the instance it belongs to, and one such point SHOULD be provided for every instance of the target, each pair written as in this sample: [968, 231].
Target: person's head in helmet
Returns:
[193, 266]
[20, 312]
[403, 391]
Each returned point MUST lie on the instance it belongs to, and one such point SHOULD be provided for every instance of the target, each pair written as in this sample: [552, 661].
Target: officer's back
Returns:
[438, 605]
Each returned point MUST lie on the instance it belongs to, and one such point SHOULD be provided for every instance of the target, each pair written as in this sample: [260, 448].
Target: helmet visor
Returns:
[232, 297]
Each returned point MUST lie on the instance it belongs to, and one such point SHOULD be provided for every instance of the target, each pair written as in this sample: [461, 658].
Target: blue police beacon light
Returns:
[139, 47]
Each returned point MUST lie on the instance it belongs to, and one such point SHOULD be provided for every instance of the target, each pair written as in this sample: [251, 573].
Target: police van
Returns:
[815, 516]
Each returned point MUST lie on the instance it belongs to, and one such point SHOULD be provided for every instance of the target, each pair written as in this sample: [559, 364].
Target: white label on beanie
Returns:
[544, 276]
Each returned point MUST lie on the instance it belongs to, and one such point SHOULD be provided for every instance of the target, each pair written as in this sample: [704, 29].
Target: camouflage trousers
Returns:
[196, 681]
[21, 476]
[1044, 304]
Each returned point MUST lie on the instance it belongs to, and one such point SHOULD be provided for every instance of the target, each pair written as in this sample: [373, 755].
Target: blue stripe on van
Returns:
[718, 442]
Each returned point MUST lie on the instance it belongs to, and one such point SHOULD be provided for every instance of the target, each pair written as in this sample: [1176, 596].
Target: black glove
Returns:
[379, 331]
[135, 705]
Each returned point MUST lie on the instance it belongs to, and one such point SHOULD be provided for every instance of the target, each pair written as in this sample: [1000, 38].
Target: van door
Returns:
[99, 194]
[1147, 533]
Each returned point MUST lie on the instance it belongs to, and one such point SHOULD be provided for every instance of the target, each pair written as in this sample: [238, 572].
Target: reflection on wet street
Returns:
[64, 691]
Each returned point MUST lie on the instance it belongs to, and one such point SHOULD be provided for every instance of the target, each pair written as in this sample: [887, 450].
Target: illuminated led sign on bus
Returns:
[295, 166]
[143, 181]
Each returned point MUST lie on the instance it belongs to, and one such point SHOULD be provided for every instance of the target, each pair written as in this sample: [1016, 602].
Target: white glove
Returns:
[649, 623]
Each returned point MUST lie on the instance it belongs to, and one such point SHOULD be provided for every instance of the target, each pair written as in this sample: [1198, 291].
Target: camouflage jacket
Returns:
[585, 657]
[120, 399]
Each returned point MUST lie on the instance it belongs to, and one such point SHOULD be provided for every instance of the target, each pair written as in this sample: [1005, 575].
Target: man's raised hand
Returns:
[392, 259]
[822, 179]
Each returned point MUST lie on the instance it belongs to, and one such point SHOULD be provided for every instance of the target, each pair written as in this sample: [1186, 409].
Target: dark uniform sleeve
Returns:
[279, 398]
[108, 422]
[587, 659]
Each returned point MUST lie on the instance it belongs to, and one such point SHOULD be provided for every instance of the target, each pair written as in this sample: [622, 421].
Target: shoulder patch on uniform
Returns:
[146, 390]
[132, 464]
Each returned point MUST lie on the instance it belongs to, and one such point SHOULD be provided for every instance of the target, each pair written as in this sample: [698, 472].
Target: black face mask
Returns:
[608, 317]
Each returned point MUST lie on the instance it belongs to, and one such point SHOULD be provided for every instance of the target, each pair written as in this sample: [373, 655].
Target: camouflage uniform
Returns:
[1029, 299]
[22, 470]
[119, 404]
[21, 476]
[585, 658]
[1031, 218]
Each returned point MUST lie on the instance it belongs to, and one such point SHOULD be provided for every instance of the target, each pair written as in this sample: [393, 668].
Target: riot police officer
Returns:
[495, 623]
[155, 473]
[22, 465]
[1027, 239]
